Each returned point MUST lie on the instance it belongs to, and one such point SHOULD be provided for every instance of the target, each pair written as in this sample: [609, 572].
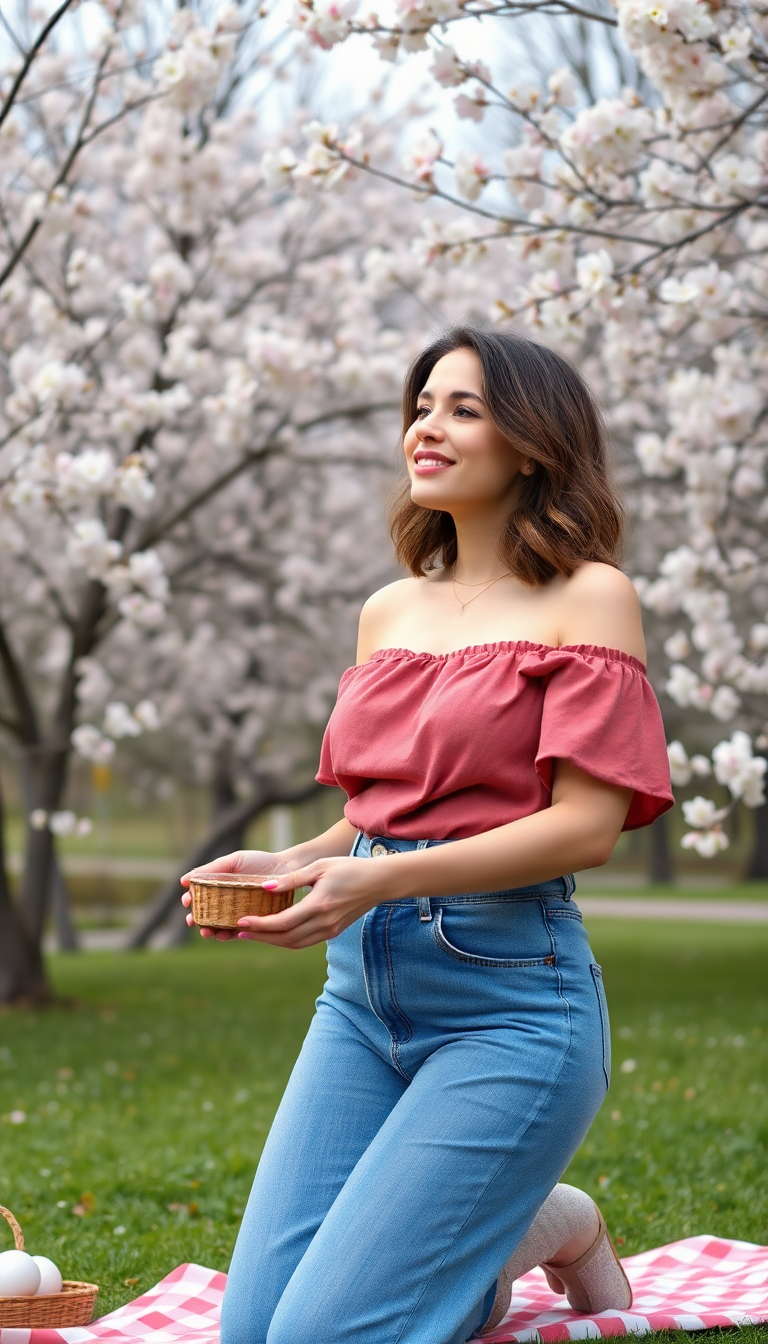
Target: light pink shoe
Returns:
[595, 1282]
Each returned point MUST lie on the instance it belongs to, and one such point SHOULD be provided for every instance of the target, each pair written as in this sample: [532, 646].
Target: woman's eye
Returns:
[464, 410]
[421, 412]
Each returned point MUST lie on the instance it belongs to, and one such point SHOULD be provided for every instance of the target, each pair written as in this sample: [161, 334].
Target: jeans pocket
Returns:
[605, 1026]
[475, 931]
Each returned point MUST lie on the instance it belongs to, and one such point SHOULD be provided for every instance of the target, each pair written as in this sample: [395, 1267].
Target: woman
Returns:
[497, 733]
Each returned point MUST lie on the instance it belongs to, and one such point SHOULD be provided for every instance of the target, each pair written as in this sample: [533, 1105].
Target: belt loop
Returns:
[570, 886]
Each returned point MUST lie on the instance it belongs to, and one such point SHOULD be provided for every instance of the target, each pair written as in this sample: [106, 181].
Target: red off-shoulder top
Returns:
[449, 745]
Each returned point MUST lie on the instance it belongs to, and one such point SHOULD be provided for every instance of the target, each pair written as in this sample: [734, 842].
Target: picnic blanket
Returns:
[688, 1285]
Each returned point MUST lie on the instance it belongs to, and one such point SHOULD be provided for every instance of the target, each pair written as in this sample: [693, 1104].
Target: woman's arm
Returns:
[578, 831]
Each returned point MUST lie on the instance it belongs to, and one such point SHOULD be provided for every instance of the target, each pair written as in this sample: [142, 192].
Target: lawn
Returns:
[147, 1098]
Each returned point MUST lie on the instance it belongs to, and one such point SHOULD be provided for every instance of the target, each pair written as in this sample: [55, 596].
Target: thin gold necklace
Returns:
[464, 605]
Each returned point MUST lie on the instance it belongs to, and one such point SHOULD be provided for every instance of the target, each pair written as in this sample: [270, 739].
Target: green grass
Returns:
[148, 1099]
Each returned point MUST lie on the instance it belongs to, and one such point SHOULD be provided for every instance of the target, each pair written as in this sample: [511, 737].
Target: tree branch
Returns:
[21, 248]
[28, 729]
[234, 817]
[47, 28]
[164, 526]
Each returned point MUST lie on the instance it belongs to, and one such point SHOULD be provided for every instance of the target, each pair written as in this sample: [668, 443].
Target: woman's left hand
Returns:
[342, 891]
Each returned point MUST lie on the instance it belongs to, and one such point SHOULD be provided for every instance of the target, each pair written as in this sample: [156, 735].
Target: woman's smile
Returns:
[428, 460]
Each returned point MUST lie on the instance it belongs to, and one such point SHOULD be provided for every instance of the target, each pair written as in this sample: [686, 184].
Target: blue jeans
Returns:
[458, 1056]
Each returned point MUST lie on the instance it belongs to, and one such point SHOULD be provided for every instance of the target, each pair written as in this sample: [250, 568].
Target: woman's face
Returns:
[456, 456]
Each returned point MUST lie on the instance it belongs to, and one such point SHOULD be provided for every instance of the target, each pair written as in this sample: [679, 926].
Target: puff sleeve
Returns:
[599, 711]
[326, 773]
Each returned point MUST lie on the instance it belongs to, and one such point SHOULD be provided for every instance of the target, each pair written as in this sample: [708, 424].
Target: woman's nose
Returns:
[429, 429]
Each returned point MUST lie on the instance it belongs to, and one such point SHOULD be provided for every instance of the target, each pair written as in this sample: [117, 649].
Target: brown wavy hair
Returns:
[566, 511]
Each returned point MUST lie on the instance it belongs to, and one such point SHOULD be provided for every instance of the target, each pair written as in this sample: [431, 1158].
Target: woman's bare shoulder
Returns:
[380, 612]
[600, 606]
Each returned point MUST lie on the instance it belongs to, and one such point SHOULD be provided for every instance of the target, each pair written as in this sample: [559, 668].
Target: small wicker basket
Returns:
[72, 1306]
[219, 900]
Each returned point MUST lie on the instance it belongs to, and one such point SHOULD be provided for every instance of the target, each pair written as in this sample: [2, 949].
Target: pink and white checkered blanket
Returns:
[688, 1285]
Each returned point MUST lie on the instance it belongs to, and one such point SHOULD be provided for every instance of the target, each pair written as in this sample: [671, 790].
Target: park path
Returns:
[656, 908]
[659, 907]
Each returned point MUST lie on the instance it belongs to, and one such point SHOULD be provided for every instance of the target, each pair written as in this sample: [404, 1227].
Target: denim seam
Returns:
[365, 935]
[394, 1048]
[551, 932]
[597, 980]
[475, 959]
[565, 914]
[499, 1168]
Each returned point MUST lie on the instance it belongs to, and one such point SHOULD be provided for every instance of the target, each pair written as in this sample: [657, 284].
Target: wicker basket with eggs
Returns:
[33, 1294]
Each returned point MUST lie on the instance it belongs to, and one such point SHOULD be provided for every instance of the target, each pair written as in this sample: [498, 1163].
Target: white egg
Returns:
[50, 1276]
[19, 1275]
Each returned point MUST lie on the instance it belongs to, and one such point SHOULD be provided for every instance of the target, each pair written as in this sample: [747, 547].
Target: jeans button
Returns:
[378, 850]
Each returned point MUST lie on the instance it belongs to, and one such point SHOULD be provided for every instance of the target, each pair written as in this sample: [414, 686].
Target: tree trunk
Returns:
[660, 868]
[233, 820]
[225, 799]
[66, 933]
[22, 973]
[43, 779]
[757, 869]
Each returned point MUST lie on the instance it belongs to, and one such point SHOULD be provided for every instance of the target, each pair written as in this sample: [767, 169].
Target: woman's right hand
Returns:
[240, 861]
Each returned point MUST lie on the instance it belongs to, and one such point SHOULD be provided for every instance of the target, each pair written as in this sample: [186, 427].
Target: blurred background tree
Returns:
[199, 385]
[209, 295]
[623, 176]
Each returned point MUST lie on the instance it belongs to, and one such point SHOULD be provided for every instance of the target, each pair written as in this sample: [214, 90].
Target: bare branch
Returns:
[40, 40]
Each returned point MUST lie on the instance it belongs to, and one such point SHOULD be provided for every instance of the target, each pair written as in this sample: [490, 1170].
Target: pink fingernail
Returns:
[270, 886]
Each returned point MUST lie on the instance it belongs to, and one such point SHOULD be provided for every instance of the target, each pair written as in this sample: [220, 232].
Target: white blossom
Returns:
[447, 69]
[134, 488]
[563, 87]
[677, 645]
[90, 547]
[735, 43]
[701, 812]
[90, 743]
[63, 823]
[472, 173]
[706, 843]
[594, 271]
[420, 162]
[741, 771]
[119, 721]
[680, 767]
[725, 703]
[147, 715]
[56, 381]
[144, 612]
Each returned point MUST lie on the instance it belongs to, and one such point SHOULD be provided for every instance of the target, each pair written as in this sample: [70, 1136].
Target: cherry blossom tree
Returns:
[638, 222]
[200, 361]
